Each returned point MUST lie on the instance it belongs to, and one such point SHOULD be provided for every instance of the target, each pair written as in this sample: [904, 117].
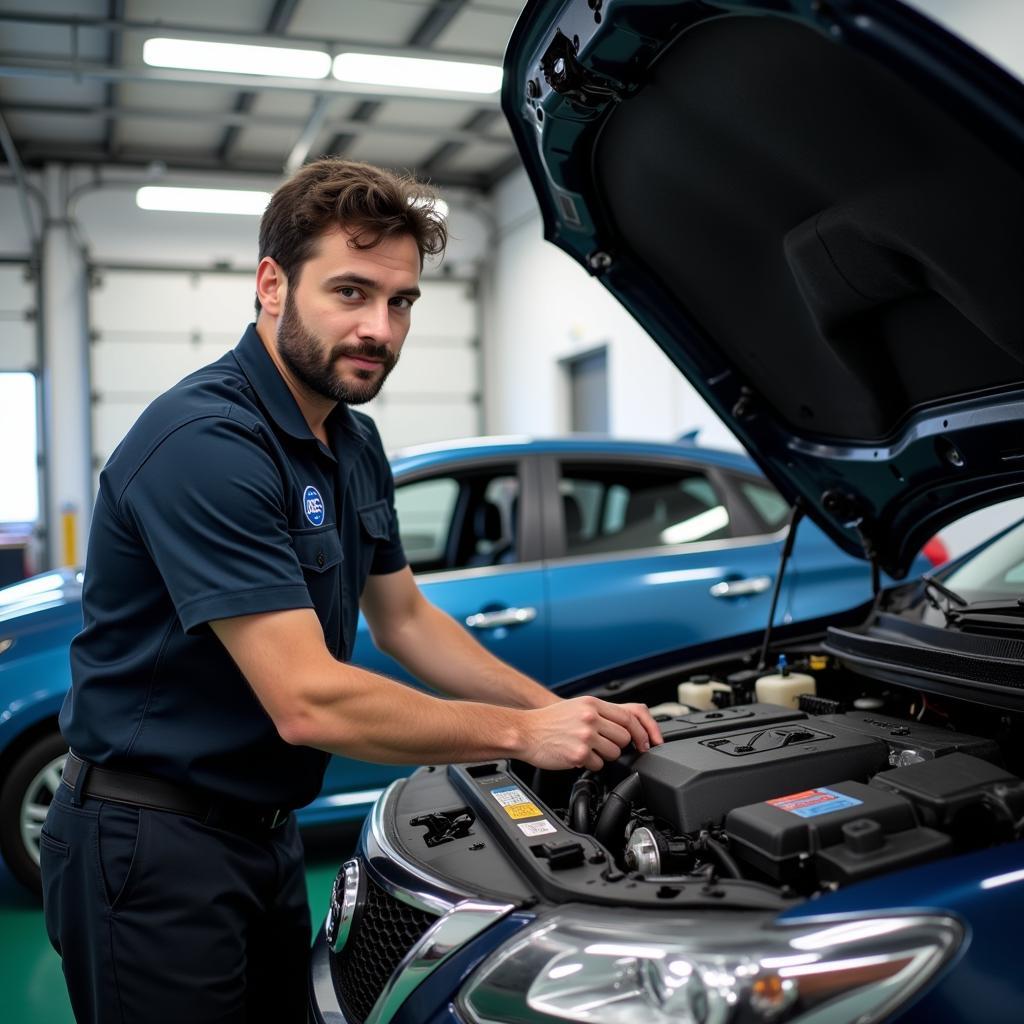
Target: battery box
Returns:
[974, 801]
[838, 833]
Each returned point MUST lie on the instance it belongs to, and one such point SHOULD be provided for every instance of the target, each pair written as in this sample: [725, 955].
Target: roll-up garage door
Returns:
[19, 351]
[150, 328]
[20, 433]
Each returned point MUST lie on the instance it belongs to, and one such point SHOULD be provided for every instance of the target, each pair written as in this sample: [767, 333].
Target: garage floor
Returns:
[30, 978]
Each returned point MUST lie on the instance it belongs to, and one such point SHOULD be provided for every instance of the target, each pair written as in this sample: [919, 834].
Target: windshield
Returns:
[996, 573]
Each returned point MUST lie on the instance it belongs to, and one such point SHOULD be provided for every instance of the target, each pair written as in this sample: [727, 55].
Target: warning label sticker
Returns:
[538, 828]
[516, 803]
[812, 802]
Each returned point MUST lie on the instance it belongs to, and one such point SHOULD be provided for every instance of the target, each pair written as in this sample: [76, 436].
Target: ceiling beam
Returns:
[343, 138]
[310, 133]
[332, 45]
[16, 68]
[36, 154]
[115, 52]
[475, 125]
[277, 24]
[231, 117]
[435, 21]
[430, 27]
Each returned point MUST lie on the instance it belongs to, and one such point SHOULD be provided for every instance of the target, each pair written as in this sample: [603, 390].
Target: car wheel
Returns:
[24, 800]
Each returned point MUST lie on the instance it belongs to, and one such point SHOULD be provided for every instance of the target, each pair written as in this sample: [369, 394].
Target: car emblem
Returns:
[346, 898]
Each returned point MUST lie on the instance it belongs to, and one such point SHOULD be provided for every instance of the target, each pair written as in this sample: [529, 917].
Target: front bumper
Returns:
[398, 948]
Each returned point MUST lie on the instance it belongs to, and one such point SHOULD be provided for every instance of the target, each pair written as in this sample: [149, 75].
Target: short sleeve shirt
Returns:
[218, 503]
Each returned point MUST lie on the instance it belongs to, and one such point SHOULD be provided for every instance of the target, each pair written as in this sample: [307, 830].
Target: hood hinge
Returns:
[568, 77]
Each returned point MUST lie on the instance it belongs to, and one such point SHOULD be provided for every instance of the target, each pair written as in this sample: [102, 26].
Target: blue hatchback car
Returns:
[561, 556]
[816, 209]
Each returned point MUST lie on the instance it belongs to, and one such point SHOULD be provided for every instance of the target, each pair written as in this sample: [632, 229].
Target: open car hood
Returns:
[817, 210]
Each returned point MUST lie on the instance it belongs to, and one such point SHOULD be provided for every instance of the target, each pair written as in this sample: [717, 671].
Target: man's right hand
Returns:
[585, 733]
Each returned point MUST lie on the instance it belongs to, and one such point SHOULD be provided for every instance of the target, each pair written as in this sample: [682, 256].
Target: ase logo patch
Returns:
[313, 506]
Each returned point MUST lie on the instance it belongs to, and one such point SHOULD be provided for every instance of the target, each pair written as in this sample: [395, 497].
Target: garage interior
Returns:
[105, 303]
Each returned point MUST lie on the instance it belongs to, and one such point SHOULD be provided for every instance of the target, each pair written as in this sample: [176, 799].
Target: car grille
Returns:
[381, 935]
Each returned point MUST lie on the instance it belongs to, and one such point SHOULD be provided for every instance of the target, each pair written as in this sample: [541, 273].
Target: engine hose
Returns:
[580, 799]
[610, 829]
[725, 859]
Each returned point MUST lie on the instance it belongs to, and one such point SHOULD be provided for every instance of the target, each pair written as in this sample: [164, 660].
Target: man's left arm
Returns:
[437, 650]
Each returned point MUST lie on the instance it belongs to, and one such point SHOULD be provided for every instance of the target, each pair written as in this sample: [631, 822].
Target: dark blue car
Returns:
[817, 210]
[561, 556]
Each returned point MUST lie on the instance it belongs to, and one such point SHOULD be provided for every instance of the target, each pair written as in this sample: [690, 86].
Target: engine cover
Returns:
[692, 783]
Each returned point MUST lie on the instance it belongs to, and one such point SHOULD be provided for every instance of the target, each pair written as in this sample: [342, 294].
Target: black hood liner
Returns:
[853, 251]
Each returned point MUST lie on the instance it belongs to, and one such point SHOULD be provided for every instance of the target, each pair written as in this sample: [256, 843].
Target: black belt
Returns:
[160, 795]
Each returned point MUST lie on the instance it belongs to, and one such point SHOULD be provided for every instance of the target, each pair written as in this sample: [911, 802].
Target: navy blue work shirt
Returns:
[220, 502]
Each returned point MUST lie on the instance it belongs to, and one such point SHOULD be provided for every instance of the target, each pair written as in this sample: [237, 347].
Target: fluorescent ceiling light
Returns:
[237, 58]
[201, 200]
[416, 73]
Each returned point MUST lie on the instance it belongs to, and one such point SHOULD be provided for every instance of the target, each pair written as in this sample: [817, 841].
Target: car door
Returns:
[649, 555]
[469, 529]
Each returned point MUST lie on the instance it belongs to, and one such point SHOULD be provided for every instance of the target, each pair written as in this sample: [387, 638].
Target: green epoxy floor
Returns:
[31, 982]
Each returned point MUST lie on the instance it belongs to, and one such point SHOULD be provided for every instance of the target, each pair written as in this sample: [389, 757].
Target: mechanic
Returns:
[239, 527]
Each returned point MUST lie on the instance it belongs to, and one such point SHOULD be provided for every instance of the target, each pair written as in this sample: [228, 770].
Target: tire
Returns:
[24, 798]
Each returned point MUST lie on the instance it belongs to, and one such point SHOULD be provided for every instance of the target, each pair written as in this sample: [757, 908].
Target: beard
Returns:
[303, 353]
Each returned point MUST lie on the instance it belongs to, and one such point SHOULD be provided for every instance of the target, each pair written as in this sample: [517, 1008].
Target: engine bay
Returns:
[846, 780]
[749, 803]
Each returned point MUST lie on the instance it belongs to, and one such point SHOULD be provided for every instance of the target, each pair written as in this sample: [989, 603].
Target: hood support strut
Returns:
[787, 550]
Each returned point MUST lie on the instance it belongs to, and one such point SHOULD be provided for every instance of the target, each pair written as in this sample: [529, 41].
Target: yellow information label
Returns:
[515, 802]
[523, 811]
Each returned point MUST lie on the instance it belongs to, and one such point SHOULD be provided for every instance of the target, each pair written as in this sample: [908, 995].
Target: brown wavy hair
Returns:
[369, 202]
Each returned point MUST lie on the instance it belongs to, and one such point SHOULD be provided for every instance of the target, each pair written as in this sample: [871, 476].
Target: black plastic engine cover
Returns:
[927, 741]
[691, 783]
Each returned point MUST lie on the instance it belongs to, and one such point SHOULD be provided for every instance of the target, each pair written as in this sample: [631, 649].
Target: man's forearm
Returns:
[372, 718]
[438, 651]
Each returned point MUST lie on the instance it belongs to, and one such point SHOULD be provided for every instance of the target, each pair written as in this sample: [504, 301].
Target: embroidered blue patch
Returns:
[313, 506]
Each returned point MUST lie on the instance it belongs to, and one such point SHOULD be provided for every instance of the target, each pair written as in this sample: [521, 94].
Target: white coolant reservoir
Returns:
[670, 708]
[699, 692]
[783, 686]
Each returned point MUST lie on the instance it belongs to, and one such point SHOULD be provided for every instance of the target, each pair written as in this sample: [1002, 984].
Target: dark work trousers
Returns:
[159, 918]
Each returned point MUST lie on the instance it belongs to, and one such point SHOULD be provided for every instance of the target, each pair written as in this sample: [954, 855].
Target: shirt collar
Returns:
[279, 402]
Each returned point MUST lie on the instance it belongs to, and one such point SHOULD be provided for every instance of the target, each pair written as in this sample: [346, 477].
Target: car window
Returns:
[608, 509]
[770, 507]
[425, 509]
[459, 521]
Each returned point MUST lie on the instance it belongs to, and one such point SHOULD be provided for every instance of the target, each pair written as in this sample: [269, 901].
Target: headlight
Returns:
[580, 965]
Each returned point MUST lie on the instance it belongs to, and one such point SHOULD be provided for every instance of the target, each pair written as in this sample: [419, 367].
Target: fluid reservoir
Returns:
[783, 686]
[699, 691]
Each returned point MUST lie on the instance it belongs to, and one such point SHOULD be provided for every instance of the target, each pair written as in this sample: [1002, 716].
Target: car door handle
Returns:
[502, 617]
[742, 588]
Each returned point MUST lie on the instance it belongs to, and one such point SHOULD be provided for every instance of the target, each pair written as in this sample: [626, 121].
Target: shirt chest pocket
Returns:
[374, 527]
[317, 550]
[320, 556]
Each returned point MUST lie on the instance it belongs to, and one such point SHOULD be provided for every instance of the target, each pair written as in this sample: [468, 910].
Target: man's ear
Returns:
[271, 286]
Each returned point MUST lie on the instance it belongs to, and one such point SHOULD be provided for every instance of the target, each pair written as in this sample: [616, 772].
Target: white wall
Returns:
[541, 307]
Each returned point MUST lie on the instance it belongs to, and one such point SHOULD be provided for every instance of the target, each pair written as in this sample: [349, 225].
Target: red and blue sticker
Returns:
[812, 802]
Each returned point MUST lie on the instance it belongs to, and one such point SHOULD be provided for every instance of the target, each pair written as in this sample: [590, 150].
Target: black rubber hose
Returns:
[583, 792]
[725, 860]
[610, 830]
